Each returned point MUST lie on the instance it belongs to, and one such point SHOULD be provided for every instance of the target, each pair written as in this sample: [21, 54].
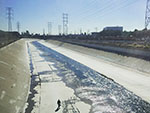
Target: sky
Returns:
[83, 15]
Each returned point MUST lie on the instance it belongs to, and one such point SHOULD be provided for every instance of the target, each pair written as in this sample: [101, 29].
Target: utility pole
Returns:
[18, 27]
[49, 28]
[147, 15]
[96, 29]
[9, 17]
[65, 23]
[59, 29]
[80, 31]
[88, 31]
[71, 32]
[44, 32]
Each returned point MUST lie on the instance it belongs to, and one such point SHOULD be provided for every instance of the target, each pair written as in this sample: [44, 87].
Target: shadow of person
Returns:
[57, 109]
[59, 104]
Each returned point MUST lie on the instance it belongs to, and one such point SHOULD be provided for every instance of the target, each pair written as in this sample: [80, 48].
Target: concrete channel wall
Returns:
[130, 62]
[14, 77]
[131, 52]
[8, 37]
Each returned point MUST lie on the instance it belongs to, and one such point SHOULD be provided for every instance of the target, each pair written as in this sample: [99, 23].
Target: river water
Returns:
[102, 93]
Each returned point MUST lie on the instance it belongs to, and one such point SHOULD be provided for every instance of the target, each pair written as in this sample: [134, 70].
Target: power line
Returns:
[9, 17]
[65, 23]
[108, 7]
[93, 8]
[84, 6]
[147, 15]
[113, 9]
[125, 4]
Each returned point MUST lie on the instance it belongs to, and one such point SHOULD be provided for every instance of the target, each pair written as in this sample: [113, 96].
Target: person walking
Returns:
[59, 104]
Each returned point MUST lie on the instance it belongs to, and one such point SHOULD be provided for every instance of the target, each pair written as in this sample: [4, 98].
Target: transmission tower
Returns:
[88, 31]
[18, 27]
[65, 23]
[43, 31]
[49, 28]
[96, 29]
[147, 15]
[59, 29]
[9, 16]
[80, 31]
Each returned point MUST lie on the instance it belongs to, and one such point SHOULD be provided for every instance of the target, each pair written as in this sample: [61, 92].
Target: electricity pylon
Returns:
[147, 15]
[9, 16]
[65, 23]
[49, 28]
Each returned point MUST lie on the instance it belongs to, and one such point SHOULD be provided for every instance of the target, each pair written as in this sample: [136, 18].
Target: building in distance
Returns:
[113, 28]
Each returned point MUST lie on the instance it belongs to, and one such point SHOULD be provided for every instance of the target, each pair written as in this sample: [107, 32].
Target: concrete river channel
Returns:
[103, 94]
[38, 77]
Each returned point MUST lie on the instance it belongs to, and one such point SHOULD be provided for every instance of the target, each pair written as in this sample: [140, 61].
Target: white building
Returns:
[114, 28]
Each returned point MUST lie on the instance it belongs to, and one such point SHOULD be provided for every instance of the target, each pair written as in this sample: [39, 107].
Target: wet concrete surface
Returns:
[47, 87]
[31, 102]
[35, 83]
[102, 93]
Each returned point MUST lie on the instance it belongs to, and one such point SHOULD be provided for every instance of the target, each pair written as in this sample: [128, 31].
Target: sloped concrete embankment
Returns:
[126, 51]
[14, 77]
[127, 61]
